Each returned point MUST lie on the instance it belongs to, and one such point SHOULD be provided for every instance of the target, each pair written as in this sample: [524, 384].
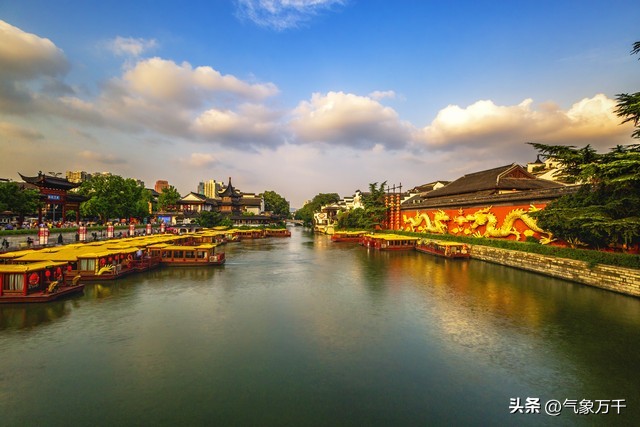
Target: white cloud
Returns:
[379, 94]
[339, 118]
[24, 56]
[283, 14]
[250, 125]
[487, 126]
[163, 80]
[129, 46]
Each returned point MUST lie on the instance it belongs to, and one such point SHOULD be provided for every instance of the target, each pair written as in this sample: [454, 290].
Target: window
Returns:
[86, 264]
[13, 283]
[189, 254]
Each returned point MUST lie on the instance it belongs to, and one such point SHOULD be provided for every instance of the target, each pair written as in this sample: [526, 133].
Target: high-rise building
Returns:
[77, 176]
[161, 185]
[212, 188]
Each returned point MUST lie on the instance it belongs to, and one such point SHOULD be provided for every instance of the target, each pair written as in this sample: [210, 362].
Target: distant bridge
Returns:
[295, 221]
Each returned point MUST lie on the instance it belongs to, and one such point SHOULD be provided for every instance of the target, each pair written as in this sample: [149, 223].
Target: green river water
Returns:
[303, 331]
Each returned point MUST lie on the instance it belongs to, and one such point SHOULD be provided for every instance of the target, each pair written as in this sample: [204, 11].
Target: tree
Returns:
[606, 209]
[628, 105]
[273, 202]
[373, 214]
[113, 196]
[213, 219]
[19, 201]
[168, 199]
[306, 212]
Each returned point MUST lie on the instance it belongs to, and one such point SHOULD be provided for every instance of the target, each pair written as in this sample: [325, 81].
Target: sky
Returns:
[303, 97]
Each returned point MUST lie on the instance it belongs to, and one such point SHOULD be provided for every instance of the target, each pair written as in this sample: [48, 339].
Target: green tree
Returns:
[209, 219]
[113, 196]
[273, 202]
[606, 209]
[628, 105]
[168, 199]
[306, 212]
[373, 214]
[19, 201]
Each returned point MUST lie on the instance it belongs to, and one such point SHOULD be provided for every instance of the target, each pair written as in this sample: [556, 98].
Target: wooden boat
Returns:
[388, 242]
[277, 232]
[109, 264]
[444, 248]
[347, 236]
[36, 282]
[250, 234]
[188, 256]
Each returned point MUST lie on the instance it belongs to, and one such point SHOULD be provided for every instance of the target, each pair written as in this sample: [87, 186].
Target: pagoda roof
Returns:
[230, 191]
[49, 181]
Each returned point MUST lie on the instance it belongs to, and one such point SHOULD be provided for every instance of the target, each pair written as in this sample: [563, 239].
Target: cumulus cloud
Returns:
[487, 125]
[24, 56]
[283, 14]
[129, 46]
[339, 118]
[251, 125]
[165, 81]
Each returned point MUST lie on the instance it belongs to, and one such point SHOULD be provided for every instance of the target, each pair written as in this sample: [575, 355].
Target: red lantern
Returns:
[102, 261]
[110, 259]
[69, 268]
[47, 273]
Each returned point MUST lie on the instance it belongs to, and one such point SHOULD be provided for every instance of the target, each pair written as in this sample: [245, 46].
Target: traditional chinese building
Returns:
[490, 203]
[230, 200]
[55, 195]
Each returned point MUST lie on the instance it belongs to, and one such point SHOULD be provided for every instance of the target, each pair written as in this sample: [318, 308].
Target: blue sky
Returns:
[307, 96]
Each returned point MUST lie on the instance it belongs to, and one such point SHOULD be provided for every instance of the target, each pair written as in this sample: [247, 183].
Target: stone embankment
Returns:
[617, 279]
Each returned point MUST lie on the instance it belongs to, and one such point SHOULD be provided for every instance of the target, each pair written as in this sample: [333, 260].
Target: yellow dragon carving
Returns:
[106, 269]
[485, 217]
[438, 225]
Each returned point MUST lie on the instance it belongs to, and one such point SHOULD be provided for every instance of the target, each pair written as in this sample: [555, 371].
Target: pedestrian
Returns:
[60, 239]
[29, 241]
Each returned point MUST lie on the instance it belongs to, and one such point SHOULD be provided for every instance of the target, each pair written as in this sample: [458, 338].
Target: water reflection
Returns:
[305, 331]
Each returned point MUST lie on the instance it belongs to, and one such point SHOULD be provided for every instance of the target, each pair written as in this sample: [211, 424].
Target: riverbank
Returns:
[617, 279]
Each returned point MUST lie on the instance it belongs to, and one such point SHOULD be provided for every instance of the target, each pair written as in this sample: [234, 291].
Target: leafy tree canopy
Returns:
[374, 211]
[213, 219]
[273, 202]
[306, 212]
[606, 209]
[628, 106]
[17, 200]
[168, 199]
[113, 196]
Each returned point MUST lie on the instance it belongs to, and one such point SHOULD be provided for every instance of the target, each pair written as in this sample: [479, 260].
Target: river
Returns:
[303, 331]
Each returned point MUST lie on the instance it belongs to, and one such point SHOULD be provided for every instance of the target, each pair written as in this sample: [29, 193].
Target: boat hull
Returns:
[62, 292]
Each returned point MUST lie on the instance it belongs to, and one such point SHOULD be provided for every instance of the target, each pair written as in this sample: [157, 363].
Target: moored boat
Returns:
[347, 236]
[36, 282]
[188, 256]
[443, 248]
[388, 242]
[277, 232]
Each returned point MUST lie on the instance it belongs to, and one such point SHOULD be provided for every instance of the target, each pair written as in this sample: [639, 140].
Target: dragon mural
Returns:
[469, 224]
[490, 221]
[438, 225]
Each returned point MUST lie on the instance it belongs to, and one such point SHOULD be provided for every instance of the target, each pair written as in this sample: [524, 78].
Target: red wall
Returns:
[483, 220]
